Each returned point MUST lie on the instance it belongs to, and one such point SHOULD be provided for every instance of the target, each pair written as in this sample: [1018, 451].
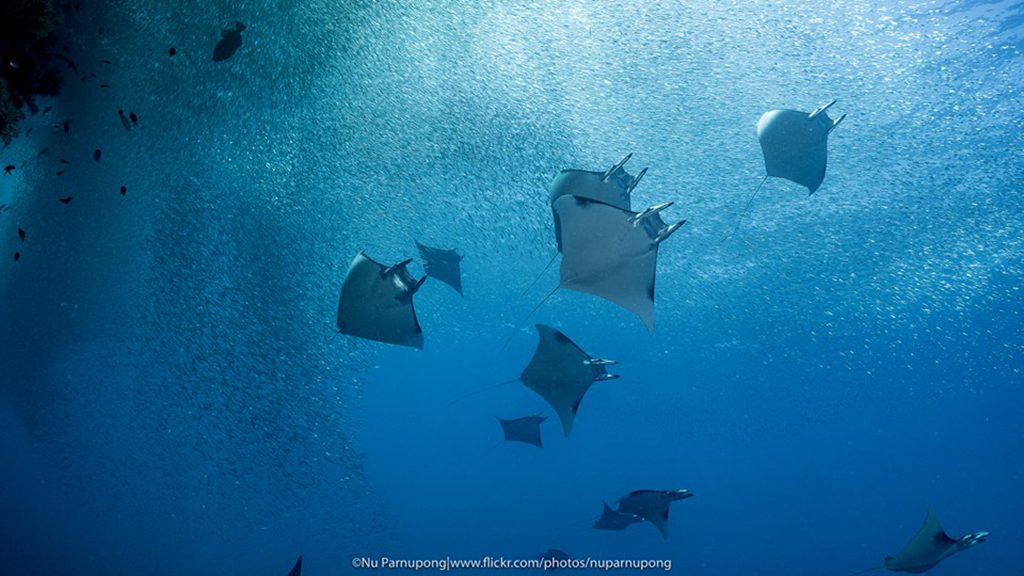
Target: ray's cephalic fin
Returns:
[396, 267]
[599, 362]
[636, 180]
[814, 114]
[836, 123]
[667, 231]
[616, 167]
[637, 219]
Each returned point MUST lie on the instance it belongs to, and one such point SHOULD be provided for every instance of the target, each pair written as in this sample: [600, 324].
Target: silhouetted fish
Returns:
[172, 51]
[124, 119]
[124, 190]
[135, 119]
[96, 154]
[60, 172]
[17, 256]
[67, 126]
[67, 199]
[47, 109]
[21, 234]
[9, 168]
[230, 41]
[71, 63]
[63, 161]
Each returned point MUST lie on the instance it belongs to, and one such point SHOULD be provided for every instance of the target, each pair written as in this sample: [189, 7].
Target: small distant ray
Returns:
[928, 547]
[562, 373]
[612, 520]
[525, 429]
[376, 303]
[297, 569]
[652, 506]
[230, 42]
[612, 253]
[795, 144]
[554, 554]
[552, 557]
[442, 264]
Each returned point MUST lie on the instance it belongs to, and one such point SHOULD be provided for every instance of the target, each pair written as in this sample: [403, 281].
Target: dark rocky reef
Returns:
[28, 60]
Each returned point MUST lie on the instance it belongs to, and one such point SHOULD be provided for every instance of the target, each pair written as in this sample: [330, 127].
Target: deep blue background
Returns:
[174, 400]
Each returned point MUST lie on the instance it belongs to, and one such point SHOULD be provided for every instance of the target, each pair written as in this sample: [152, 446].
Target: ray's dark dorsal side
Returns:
[297, 569]
[376, 303]
[230, 42]
[652, 505]
[612, 520]
[562, 373]
[442, 264]
[930, 546]
[525, 429]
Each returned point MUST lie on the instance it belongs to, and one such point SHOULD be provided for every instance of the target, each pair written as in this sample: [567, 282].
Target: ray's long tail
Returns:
[480, 391]
[525, 318]
[539, 276]
[739, 217]
[577, 524]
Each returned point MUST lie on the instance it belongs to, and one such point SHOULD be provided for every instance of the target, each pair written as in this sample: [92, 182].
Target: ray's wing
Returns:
[297, 569]
[376, 303]
[612, 253]
[929, 546]
[660, 520]
[651, 505]
[612, 520]
[561, 372]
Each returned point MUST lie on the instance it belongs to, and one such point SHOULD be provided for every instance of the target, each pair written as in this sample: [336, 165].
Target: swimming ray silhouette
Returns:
[376, 302]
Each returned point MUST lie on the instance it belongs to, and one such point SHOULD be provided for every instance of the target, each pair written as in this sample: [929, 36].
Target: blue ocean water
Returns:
[175, 400]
